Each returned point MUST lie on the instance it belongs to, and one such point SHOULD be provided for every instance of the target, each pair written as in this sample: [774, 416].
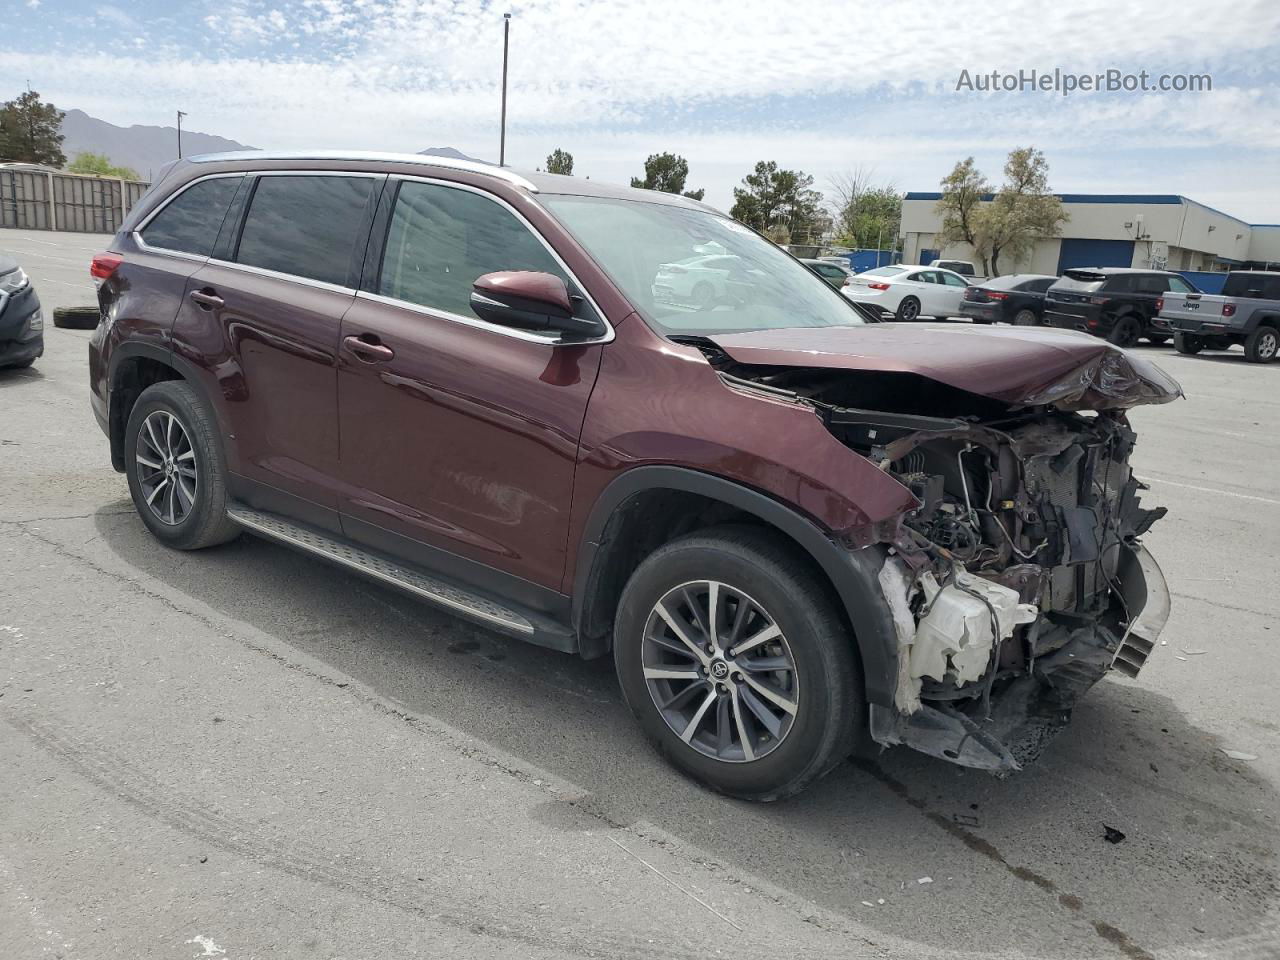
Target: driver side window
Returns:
[441, 239]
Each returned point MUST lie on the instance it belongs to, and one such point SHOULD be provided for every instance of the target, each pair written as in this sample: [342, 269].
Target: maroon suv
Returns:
[797, 533]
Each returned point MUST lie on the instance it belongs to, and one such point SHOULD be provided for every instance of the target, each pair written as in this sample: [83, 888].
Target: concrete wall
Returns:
[1264, 244]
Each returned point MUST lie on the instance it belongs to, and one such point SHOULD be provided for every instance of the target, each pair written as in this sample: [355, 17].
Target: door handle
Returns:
[206, 298]
[368, 350]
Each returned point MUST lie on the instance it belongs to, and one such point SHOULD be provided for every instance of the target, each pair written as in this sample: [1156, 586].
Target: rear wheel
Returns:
[1126, 331]
[1026, 318]
[175, 468]
[737, 665]
[1262, 345]
[704, 294]
[1159, 339]
[1187, 343]
[908, 309]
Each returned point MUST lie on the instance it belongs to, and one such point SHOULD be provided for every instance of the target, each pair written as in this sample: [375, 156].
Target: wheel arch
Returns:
[620, 531]
[134, 367]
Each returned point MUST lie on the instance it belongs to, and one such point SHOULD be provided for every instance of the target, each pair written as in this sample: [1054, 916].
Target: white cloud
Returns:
[614, 81]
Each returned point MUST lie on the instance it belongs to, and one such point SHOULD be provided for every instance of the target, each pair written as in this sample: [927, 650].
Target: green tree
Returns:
[31, 131]
[962, 192]
[99, 165]
[666, 172]
[1023, 211]
[560, 161]
[770, 197]
[866, 215]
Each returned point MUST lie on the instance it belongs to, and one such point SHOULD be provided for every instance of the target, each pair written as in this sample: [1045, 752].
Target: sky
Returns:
[819, 87]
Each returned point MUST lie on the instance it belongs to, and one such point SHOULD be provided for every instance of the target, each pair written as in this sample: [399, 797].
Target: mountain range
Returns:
[146, 149]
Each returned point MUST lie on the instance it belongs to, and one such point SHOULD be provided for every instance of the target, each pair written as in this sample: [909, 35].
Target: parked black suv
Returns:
[21, 322]
[1118, 303]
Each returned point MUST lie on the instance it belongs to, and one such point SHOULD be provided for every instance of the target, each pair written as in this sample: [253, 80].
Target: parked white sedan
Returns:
[909, 292]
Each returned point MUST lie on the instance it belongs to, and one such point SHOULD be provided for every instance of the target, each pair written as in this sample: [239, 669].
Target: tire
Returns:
[18, 365]
[1262, 345]
[76, 318]
[1126, 331]
[824, 681]
[1159, 339]
[908, 310]
[195, 464]
[1026, 318]
[1187, 343]
[703, 294]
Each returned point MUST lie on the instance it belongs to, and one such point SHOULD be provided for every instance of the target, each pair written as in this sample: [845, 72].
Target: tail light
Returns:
[997, 295]
[103, 266]
[674, 269]
[878, 286]
[847, 281]
[1159, 304]
[1228, 309]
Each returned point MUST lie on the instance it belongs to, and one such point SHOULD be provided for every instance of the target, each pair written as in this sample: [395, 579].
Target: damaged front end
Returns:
[1018, 580]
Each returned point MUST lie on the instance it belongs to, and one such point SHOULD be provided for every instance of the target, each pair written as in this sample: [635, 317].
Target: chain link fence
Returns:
[32, 198]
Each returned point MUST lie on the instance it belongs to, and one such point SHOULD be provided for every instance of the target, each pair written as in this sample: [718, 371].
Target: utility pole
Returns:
[180, 116]
[502, 141]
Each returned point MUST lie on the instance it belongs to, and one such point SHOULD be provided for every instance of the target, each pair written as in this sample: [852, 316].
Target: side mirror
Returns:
[528, 300]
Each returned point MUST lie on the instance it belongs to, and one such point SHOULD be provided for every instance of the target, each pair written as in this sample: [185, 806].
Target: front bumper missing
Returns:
[1031, 709]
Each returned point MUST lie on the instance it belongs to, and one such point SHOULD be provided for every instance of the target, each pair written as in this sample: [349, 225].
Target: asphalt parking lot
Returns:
[247, 753]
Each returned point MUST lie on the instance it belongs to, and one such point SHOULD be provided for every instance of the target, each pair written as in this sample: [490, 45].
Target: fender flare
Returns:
[853, 572]
[130, 350]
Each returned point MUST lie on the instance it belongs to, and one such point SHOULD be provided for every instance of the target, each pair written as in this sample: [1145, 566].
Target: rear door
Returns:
[459, 437]
[264, 317]
[950, 293]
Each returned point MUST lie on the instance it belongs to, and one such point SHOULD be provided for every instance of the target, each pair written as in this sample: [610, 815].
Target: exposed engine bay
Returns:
[1018, 581]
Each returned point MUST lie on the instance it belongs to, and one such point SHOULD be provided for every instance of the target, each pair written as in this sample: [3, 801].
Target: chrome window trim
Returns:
[136, 232]
[278, 275]
[531, 336]
[374, 156]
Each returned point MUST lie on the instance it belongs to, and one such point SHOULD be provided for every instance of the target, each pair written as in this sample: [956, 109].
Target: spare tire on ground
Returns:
[75, 318]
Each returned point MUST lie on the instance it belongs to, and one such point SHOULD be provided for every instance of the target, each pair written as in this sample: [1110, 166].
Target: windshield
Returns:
[689, 272]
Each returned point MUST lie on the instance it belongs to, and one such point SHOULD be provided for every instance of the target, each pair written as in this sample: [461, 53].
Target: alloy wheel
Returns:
[910, 309]
[720, 671]
[167, 473]
[1268, 344]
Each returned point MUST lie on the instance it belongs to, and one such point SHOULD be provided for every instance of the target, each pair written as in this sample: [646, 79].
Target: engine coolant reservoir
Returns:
[956, 635]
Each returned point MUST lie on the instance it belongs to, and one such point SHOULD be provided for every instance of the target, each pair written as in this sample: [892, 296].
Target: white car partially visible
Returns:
[701, 280]
[909, 292]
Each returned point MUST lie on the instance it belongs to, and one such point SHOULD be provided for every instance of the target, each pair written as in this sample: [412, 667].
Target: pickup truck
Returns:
[965, 268]
[1247, 312]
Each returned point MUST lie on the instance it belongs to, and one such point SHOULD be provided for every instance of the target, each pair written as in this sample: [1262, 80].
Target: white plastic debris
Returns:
[895, 584]
[925, 880]
[1238, 755]
[956, 635]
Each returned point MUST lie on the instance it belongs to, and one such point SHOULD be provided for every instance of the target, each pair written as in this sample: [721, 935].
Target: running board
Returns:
[375, 565]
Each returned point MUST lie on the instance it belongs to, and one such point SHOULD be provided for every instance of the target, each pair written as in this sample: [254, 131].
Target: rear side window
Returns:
[305, 226]
[1151, 283]
[442, 239]
[1039, 285]
[1254, 285]
[190, 222]
[1121, 284]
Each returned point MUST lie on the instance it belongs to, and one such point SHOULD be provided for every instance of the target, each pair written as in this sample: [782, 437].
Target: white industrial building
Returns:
[1163, 231]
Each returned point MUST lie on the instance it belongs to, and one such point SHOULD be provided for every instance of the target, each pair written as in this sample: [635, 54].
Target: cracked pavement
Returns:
[245, 753]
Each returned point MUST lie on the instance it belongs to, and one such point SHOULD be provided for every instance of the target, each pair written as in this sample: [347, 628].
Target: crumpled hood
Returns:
[1020, 366]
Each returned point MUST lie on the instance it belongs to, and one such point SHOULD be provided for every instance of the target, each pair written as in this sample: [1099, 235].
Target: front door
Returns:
[459, 438]
[269, 317]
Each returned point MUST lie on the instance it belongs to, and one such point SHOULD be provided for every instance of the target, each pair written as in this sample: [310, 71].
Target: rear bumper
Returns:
[1088, 320]
[991, 312]
[1202, 328]
[1029, 710]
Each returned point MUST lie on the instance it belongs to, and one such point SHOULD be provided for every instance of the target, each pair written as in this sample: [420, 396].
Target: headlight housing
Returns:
[13, 281]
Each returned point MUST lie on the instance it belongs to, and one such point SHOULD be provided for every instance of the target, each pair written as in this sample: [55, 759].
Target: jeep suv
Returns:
[796, 533]
[1118, 303]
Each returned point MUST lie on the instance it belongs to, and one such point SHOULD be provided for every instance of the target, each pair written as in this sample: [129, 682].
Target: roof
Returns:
[1151, 198]
[543, 183]
[1111, 271]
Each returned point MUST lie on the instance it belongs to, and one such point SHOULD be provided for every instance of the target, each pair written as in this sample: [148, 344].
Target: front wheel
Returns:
[1188, 343]
[908, 309]
[175, 468]
[1261, 346]
[737, 665]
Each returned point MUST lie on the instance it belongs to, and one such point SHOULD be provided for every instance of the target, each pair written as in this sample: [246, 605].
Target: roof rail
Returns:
[426, 160]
